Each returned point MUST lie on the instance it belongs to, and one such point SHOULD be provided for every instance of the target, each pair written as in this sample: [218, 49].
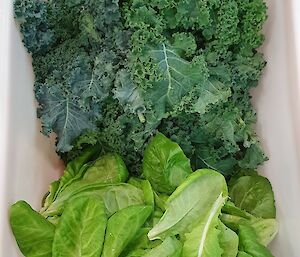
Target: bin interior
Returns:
[30, 162]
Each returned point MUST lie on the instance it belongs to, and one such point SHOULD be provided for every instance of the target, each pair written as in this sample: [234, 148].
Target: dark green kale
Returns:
[77, 49]
[114, 73]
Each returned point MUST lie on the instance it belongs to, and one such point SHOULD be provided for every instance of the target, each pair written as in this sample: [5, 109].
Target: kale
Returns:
[77, 49]
[115, 72]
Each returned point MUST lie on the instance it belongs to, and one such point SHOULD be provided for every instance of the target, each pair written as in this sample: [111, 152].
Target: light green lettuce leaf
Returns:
[243, 254]
[109, 169]
[81, 229]
[140, 242]
[122, 228]
[250, 244]
[170, 247]
[265, 229]
[229, 241]
[73, 172]
[203, 240]
[164, 164]
[146, 187]
[194, 200]
[114, 196]
[255, 195]
[33, 233]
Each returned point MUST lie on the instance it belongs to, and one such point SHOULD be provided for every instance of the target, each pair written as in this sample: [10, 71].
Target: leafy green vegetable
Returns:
[192, 201]
[90, 211]
[243, 254]
[249, 243]
[266, 230]
[81, 229]
[109, 168]
[146, 187]
[137, 253]
[177, 77]
[217, 71]
[170, 247]
[230, 208]
[160, 200]
[68, 120]
[115, 197]
[203, 239]
[128, 94]
[76, 47]
[115, 72]
[254, 194]
[229, 241]
[140, 242]
[73, 172]
[32, 15]
[122, 228]
[33, 233]
[165, 164]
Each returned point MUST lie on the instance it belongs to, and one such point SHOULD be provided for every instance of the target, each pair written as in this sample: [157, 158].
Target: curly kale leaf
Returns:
[61, 114]
[35, 28]
[115, 72]
[252, 15]
[192, 14]
[222, 138]
[128, 94]
[209, 93]
[80, 88]
[117, 132]
[175, 78]
[75, 70]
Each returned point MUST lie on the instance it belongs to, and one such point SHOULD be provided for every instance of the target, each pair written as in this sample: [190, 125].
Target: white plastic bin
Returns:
[28, 161]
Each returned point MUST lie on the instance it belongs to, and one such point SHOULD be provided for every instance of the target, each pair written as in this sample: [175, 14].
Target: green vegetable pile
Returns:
[161, 87]
[114, 73]
[95, 209]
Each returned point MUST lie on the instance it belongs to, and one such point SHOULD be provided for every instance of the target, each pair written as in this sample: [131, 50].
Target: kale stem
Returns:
[141, 117]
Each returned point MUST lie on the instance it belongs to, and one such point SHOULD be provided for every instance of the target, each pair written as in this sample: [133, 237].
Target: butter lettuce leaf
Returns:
[81, 228]
[122, 228]
[33, 233]
[165, 165]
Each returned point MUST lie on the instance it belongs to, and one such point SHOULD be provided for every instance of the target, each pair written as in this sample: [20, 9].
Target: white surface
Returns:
[28, 162]
[278, 105]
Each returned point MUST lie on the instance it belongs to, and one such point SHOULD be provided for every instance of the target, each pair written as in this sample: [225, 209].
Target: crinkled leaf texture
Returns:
[127, 93]
[208, 93]
[60, 112]
[176, 77]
